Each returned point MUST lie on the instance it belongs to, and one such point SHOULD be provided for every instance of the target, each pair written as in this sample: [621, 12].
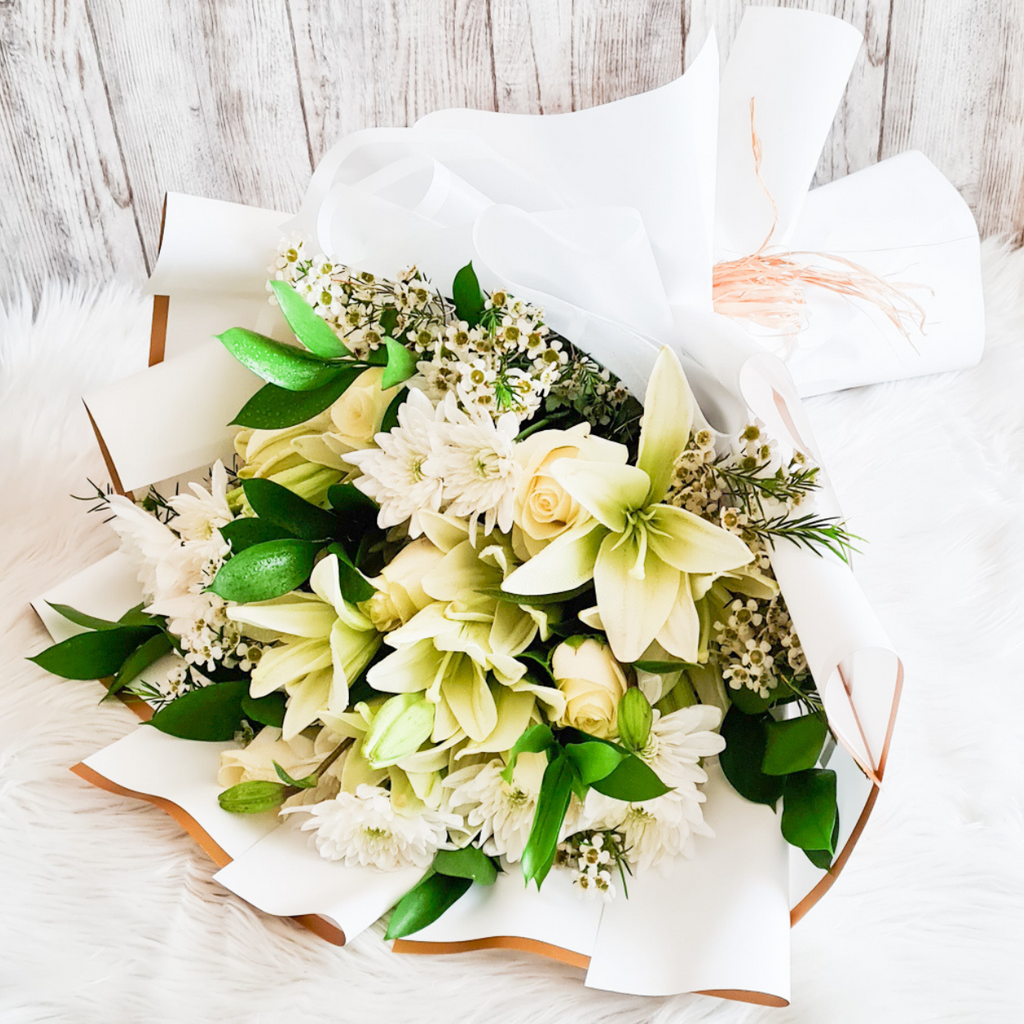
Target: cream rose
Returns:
[357, 415]
[593, 683]
[543, 508]
[400, 594]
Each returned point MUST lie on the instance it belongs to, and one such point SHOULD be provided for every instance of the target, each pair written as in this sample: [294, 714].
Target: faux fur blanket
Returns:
[109, 913]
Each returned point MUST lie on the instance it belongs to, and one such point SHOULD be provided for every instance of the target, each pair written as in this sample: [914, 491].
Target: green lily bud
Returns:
[398, 729]
[635, 718]
[252, 797]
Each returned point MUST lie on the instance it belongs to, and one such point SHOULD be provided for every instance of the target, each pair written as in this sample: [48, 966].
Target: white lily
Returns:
[639, 552]
[324, 643]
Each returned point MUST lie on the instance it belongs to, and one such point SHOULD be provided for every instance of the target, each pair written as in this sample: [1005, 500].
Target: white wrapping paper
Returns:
[612, 219]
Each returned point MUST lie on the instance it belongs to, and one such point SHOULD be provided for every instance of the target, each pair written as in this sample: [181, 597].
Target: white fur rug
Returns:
[109, 913]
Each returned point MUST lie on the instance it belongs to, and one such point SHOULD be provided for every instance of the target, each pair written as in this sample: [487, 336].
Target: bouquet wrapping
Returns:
[671, 241]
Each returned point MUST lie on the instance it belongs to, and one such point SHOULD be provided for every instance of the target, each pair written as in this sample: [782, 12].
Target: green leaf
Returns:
[80, 618]
[401, 364]
[354, 585]
[284, 508]
[593, 761]
[751, 703]
[268, 710]
[265, 571]
[390, 419]
[355, 511]
[137, 617]
[745, 738]
[139, 660]
[252, 797]
[469, 299]
[387, 322]
[793, 744]
[633, 780]
[661, 668]
[823, 858]
[534, 740]
[286, 366]
[92, 655]
[312, 330]
[552, 804]
[307, 782]
[537, 600]
[469, 862]
[425, 903]
[211, 713]
[809, 809]
[274, 408]
[248, 531]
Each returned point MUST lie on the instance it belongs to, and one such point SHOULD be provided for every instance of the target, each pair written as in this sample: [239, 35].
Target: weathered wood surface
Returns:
[105, 104]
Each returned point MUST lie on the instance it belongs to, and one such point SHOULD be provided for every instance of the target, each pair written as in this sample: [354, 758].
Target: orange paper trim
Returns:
[158, 333]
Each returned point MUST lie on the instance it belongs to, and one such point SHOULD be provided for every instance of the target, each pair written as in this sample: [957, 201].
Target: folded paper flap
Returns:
[794, 66]
[283, 875]
[173, 417]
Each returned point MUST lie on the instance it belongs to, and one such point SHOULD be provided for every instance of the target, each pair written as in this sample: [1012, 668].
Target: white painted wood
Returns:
[206, 100]
[65, 200]
[955, 90]
[105, 104]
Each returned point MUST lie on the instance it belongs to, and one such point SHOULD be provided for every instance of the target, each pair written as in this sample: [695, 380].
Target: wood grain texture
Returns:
[106, 104]
[207, 98]
[955, 89]
[65, 199]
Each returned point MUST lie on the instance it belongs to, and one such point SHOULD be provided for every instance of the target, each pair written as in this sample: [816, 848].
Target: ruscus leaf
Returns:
[312, 330]
[284, 365]
[552, 804]
[265, 571]
[81, 618]
[593, 761]
[274, 408]
[425, 903]
[468, 298]
[745, 739]
[212, 713]
[401, 364]
[268, 710]
[93, 655]
[139, 660]
[469, 862]
[633, 780]
[284, 508]
[809, 809]
[793, 744]
[534, 740]
[248, 531]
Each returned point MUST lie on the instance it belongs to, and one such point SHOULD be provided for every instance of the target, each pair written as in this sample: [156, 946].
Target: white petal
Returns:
[566, 563]
[668, 414]
[606, 490]
[681, 633]
[693, 544]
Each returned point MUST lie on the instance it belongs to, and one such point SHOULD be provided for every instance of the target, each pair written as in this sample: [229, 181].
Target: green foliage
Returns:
[212, 713]
[593, 761]
[310, 329]
[354, 585]
[633, 780]
[285, 509]
[552, 804]
[534, 740]
[93, 655]
[401, 364]
[81, 618]
[268, 710]
[425, 903]
[390, 419]
[793, 744]
[265, 571]
[307, 782]
[467, 295]
[248, 531]
[139, 660]
[809, 810]
[745, 741]
[274, 408]
[286, 366]
[469, 862]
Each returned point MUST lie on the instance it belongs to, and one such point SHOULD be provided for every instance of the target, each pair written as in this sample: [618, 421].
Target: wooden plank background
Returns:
[106, 104]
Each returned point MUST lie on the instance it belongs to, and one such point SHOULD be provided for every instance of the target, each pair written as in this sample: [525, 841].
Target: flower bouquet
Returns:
[485, 571]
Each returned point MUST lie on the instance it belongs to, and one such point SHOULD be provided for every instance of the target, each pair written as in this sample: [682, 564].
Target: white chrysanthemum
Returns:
[679, 740]
[203, 512]
[365, 829]
[503, 813]
[397, 474]
[478, 465]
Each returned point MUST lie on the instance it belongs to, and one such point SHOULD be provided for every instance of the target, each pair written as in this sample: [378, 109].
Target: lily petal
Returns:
[305, 702]
[606, 490]
[288, 663]
[632, 610]
[295, 614]
[681, 633]
[410, 669]
[470, 699]
[566, 563]
[693, 544]
[668, 415]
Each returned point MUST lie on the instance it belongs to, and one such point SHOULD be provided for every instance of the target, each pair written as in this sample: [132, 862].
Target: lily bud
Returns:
[635, 718]
[252, 797]
[398, 729]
